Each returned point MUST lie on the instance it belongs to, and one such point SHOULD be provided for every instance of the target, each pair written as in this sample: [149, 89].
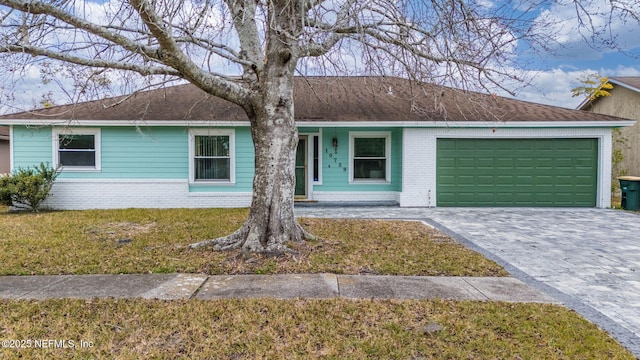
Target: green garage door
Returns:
[517, 172]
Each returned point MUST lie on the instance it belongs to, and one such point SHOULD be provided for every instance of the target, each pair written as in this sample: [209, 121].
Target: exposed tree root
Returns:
[249, 240]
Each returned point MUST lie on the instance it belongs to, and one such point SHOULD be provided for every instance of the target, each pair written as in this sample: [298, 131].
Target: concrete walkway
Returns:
[588, 259]
[289, 286]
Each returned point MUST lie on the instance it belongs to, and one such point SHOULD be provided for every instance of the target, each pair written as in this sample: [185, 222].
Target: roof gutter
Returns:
[317, 123]
[623, 84]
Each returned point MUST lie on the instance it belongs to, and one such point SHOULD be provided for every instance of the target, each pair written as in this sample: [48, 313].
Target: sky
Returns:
[552, 74]
[553, 80]
[557, 71]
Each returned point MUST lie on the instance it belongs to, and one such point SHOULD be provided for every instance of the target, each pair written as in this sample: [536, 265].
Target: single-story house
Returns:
[624, 101]
[362, 139]
[5, 164]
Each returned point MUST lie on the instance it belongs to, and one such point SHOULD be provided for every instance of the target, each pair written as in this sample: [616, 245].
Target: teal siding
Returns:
[335, 165]
[163, 153]
[143, 153]
[31, 146]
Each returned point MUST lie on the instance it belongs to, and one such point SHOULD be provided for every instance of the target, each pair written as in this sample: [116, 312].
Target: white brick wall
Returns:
[355, 196]
[418, 168]
[419, 157]
[113, 194]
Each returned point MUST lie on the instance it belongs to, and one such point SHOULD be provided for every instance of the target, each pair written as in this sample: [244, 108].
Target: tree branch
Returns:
[39, 8]
[98, 63]
[243, 13]
[170, 54]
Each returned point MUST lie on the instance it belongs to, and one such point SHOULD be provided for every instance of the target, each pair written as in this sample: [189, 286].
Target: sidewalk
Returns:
[288, 286]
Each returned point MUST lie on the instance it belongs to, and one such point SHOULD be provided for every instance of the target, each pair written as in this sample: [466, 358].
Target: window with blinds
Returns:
[212, 158]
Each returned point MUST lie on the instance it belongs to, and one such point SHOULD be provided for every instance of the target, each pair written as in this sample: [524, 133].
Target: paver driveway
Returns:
[589, 259]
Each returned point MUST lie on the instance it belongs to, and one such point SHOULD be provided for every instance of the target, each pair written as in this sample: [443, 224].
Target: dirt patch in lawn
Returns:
[121, 232]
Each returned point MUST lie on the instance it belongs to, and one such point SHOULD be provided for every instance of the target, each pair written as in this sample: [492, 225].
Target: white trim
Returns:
[319, 135]
[108, 123]
[471, 124]
[231, 133]
[11, 150]
[220, 195]
[310, 181]
[121, 181]
[623, 84]
[370, 134]
[307, 123]
[55, 142]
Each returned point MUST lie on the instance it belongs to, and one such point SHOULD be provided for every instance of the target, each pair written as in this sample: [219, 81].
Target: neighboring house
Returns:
[5, 164]
[362, 139]
[624, 101]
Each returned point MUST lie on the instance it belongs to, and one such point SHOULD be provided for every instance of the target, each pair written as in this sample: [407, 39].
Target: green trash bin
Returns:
[630, 186]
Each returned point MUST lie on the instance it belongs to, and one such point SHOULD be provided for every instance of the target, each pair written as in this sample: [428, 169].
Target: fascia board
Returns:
[402, 124]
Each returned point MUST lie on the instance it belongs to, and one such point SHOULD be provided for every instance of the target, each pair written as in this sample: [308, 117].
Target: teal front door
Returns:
[301, 191]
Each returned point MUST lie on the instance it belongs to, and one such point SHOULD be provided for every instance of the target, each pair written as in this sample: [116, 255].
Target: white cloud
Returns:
[589, 29]
[553, 87]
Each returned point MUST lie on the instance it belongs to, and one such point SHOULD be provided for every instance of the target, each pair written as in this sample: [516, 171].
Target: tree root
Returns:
[239, 238]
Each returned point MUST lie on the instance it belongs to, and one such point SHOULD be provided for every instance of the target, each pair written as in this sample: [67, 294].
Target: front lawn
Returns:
[155, 241]
[299, 329]
[141, 241]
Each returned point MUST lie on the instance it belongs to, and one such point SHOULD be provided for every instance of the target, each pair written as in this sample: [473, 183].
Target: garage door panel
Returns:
[543, 163]
[485, 163]
[504, 163]
[524, 180]
[447, 162]
[465, 163]
[517, 172]
[564, 162]
[502, 180]
[467, 180]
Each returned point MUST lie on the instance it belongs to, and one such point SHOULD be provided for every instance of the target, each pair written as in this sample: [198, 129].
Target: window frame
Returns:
[78, 131]
[232, 155]
[386, 135]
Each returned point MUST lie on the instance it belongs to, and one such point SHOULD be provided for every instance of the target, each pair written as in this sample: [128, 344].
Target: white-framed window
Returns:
[211, 156]
[370, 157]
[77, 149]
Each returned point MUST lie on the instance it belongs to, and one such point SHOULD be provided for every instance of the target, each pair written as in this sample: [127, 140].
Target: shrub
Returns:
[28, 187]
[5, 192]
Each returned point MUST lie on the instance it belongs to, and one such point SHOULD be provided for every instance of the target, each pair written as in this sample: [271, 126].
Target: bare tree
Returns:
[263, 43]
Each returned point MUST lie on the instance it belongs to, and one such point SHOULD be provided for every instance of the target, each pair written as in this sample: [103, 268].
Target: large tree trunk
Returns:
[271, 223]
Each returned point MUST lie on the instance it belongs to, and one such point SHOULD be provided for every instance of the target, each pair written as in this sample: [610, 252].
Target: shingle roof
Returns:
[632, 81]
[350, 99]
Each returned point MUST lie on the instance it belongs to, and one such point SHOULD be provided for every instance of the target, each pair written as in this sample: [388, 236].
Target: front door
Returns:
[301, 168]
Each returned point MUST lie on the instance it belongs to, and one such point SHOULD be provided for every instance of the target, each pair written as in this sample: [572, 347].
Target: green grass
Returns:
[155, 241]
[301, 329]
[140, 241]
